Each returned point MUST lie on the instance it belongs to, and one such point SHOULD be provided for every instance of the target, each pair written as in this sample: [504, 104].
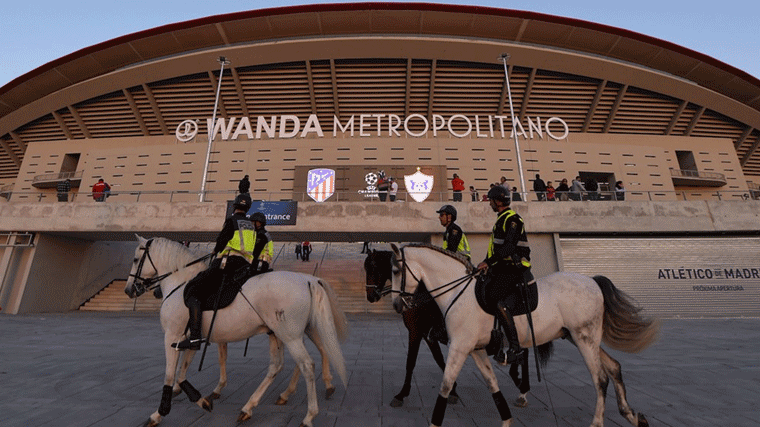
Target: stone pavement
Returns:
[106, 369]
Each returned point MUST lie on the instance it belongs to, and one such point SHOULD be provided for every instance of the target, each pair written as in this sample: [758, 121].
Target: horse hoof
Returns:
[453, 399]
[329, 392]
[243, 417]
[214, 396]
[281, 401]
[207, 404]
[397, 403]
[150, 423]
[521, 402]
[643, 421]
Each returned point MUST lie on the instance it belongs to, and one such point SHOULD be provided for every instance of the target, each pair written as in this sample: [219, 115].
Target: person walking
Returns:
[457, 186]
[305, 250]
[507, 265]
[540, 188]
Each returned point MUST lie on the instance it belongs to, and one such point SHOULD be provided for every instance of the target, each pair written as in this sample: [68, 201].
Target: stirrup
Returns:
[188, 344]
[509, 356]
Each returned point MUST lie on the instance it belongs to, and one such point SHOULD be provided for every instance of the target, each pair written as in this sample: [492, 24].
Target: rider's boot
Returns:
[194, 341]
[513, 352]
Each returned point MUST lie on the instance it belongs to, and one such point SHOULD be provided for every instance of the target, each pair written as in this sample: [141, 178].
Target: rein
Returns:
[408, 298]
[154, 282]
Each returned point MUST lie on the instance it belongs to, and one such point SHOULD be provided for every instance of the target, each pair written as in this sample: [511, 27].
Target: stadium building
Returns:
[177, 115]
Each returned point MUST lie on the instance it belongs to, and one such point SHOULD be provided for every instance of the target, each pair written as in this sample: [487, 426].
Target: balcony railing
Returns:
[51, 180]
[352, 196]
[692, 178]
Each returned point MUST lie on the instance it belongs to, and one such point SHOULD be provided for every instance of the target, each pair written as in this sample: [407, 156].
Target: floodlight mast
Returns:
[504, 58]
[223, 61]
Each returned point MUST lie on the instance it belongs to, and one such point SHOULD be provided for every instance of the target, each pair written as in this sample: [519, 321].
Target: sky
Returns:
[35, 32]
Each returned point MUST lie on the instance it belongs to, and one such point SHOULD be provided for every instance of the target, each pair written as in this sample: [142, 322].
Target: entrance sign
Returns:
[320, 184]
[419, 185]
[277, 213]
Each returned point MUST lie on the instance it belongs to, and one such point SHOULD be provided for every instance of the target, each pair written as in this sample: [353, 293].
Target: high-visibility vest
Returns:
[463, 248]
[242, 242]
[508, 213]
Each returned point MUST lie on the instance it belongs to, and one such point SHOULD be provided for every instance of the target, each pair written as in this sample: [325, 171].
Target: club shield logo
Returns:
[320, 184]
[419, 185]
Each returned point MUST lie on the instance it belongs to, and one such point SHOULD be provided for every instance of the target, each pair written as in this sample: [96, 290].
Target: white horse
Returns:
[285, 305]
[586, 311]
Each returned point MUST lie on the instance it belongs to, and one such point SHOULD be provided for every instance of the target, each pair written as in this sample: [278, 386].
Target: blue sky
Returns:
[36, 32]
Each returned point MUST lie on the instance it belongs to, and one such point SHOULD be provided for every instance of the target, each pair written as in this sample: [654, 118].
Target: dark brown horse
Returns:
[420, 321]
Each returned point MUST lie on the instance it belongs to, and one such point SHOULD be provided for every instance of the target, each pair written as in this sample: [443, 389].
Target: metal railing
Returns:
[353, 196]
[58, 176]
[697, 174]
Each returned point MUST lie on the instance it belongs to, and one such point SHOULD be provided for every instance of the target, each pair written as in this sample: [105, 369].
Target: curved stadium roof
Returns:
[344, 59]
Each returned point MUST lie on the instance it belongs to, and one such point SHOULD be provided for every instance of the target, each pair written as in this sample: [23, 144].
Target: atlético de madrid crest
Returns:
[320, 184]
[419, 185]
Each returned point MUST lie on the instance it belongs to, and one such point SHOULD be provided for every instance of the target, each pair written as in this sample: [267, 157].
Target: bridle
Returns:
[371, 267]
[409, 299]
[142, 284]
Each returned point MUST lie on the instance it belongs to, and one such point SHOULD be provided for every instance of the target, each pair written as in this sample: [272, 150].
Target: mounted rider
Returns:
[454, 239]
[264, 244]
[508, 265]
[236, 252]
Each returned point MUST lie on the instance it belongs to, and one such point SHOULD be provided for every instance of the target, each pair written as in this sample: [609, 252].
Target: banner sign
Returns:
[277, 213]
[320, 184]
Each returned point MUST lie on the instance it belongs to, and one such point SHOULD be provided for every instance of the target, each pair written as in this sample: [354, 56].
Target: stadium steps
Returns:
[113, 298]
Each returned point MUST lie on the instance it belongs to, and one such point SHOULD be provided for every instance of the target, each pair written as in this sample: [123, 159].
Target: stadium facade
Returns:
[359, 88]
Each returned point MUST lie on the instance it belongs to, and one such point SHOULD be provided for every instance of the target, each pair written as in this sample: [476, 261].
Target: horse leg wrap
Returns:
[501, 405]
[166, 401]
[190, 391]
[440, 410]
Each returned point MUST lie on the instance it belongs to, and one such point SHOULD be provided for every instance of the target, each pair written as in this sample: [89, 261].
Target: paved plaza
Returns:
[106, 369]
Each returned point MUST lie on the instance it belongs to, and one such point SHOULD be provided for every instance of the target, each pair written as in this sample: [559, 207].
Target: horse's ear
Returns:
[395, 250]
[140, 240]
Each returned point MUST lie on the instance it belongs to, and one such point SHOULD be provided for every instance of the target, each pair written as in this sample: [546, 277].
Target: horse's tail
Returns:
[327, 326]
[625, 329]
[339, 318]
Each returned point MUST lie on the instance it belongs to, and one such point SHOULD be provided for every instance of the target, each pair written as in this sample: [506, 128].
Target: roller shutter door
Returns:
[675, 277]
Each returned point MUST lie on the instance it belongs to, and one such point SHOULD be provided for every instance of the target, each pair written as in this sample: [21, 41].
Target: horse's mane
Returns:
[456, 255]
[175, 251]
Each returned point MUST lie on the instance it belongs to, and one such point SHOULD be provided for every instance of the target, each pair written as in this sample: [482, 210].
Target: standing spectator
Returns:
[100, 190]
[382, 186]
[474, 194]
[540, 188]
[63, 189]
[550, 191]
[577, 189]
[298, 250]
[305, 250]
[563, 189]
[365, 248]
[593, 189]
[503, 182]
[244, 186]
[516, 197]
[394, 189]
[619, 191]
[457, 185]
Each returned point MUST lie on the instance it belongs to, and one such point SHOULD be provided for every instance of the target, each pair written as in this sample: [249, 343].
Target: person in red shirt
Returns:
[458, 186]
[100, 190]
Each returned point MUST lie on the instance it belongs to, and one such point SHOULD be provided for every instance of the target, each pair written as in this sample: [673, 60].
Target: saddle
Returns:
[489, 292]
[230, 288]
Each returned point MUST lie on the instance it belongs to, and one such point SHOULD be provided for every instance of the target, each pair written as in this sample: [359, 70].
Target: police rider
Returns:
[235, 249]
[508, 264]
[454, 239]
[264, 245]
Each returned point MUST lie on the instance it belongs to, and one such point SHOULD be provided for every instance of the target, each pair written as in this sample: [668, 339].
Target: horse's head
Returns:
[377, 266]
[142, 270]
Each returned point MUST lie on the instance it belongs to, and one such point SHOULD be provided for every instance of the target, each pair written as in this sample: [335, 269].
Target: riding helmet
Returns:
[497, 192]
[242, 201]
[260, 217]
[448, 209]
